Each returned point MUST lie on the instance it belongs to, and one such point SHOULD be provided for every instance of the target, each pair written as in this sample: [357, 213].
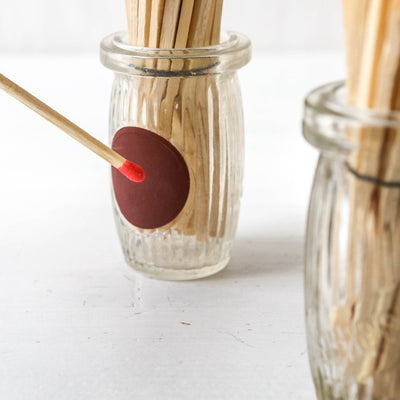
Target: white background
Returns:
[71, 325]
[78, 25]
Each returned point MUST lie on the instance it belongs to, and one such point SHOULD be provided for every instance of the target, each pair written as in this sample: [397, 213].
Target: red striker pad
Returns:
[162, 195]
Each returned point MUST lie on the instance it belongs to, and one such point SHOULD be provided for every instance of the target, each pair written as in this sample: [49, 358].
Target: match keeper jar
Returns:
[352, 257]
[178, 114]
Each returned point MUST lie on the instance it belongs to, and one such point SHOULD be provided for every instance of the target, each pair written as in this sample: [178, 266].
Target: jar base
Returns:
[171, 274]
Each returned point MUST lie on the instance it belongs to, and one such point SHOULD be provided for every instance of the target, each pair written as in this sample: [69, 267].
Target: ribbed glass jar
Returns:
[190, 97]
[352, 259]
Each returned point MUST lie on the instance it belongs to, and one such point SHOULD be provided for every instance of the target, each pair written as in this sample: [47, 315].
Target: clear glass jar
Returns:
[352, 258]
[191, 99]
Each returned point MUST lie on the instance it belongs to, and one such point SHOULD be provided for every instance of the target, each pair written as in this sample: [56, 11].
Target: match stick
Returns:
[131, 170]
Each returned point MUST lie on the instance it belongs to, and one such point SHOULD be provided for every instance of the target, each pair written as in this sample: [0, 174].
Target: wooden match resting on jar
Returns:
[130, 170]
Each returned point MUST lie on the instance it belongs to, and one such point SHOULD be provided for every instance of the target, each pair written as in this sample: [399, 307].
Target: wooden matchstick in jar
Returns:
[177, 109]
[373, 280]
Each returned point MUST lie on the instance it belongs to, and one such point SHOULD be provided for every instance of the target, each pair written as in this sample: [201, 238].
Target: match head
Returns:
[132, 171]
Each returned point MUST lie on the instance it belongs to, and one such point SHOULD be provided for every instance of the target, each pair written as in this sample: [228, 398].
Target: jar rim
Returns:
[232, 53]
[331, 99]
[327, 119]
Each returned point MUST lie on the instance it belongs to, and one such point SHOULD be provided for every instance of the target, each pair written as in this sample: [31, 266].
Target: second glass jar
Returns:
[352, 260]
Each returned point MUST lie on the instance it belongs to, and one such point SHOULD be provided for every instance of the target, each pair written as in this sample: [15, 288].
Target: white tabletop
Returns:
[72, 326]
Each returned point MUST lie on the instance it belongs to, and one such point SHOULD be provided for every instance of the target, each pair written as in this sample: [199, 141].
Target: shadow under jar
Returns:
[352, 260]
[178, 114]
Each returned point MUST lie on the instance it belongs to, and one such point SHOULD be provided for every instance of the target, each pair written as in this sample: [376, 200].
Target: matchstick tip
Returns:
[132, 171]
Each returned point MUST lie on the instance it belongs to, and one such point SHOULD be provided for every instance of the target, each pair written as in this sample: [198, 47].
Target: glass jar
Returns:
[352, 258]
[179, 113]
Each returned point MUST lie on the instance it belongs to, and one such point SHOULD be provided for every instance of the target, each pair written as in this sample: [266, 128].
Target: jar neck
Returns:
[231, 54]
[368, 141]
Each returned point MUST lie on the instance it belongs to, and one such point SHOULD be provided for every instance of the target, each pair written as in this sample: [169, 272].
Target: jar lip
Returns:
[330, 99]
[232, 53]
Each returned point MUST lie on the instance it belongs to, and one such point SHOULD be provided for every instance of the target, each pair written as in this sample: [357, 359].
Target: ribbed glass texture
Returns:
[197, 106]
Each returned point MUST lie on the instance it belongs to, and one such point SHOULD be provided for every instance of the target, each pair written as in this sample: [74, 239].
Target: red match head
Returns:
[132, 171]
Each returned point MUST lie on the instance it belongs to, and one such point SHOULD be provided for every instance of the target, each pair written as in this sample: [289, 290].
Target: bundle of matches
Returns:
[168, 24]
[178, 109]
[367, 326]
